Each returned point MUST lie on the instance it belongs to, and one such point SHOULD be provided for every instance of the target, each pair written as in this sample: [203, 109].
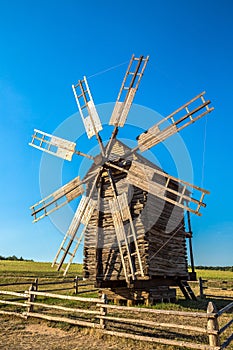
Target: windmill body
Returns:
[131, 214]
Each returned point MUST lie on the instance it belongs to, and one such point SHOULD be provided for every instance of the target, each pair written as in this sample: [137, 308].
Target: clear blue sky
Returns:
[48, 45]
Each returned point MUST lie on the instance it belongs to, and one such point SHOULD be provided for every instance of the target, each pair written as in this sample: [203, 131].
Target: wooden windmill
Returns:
[131, 216]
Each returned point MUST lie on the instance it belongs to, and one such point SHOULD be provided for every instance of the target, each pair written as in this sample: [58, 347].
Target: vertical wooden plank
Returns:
[36, 284]
[31, 298]
[76, 284]
[201, 288]
[103, 311]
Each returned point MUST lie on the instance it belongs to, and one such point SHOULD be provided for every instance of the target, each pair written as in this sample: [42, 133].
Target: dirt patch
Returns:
[19, 334]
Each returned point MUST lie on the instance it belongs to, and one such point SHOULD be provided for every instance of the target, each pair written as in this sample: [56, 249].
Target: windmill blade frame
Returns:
[82, 215]
[57, 199]
[169, 125]
[126, 95]
[60, 197]
[55, 145]
[144, 180]
[124, 101]
[88, 110]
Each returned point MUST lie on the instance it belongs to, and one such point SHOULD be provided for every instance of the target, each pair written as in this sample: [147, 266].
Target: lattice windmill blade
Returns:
[120, 213]
[57, 199]
[128, 90]
[157, 182]
[54, 145]
[82, 215]
[174, 122]
[126, 94]
[88, 110]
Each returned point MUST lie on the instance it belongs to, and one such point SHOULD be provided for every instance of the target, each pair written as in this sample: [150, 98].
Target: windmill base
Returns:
[145, 291]
[130, 296]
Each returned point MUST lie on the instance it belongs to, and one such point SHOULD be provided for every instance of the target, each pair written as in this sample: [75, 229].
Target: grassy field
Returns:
[215, 274]
[53, 336]
[34, 269]
[44, 269]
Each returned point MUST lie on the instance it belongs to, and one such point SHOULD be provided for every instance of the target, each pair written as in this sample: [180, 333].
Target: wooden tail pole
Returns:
[190, 244]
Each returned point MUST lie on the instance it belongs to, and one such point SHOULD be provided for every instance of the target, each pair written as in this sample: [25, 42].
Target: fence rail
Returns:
[97, 313]
[207, 288]
[76, 284]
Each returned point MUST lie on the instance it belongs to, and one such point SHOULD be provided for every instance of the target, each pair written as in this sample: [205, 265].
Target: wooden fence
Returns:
[75, 284]
[215, 288]
[138, 323]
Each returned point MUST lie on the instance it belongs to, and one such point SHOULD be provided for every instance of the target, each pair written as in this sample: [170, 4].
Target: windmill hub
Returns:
[100, 159]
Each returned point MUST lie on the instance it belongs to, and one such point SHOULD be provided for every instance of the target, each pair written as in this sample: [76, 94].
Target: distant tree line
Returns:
[220, 268]
[13, 258]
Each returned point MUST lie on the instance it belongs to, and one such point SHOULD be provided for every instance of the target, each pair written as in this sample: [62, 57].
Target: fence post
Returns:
[36, 284]
[212, 325]
[201, 288]
[103, 311]
[76, 284]
[31, 298]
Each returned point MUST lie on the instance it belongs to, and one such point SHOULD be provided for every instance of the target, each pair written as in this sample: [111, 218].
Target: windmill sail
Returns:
[156, 182]
[140, 175]
[128, 90]
[82, 216]
[176, 121]
[53, 145]
[57, 199]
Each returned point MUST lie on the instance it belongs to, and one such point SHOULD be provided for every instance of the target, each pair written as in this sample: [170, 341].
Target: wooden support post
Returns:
[202, 296]
[212, 325]
[103, 311]
[130, 302]
[31, 298]
[193, 274]
[36, 282]
[76, 285]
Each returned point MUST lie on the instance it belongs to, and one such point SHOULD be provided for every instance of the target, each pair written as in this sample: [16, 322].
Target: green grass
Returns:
[215, 274]
[34, 269]
[44, 269]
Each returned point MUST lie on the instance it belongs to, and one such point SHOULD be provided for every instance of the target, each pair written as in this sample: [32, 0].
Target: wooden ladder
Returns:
[121, 213]
[187, 290]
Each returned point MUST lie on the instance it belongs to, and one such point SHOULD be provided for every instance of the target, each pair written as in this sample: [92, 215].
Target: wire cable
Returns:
[107, 70]
[204, 152]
